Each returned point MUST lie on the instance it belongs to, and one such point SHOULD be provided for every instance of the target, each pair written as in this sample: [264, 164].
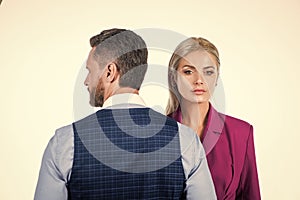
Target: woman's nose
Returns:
[199, 79]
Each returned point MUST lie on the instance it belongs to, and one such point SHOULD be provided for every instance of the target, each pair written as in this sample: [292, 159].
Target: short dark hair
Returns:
[127, 50]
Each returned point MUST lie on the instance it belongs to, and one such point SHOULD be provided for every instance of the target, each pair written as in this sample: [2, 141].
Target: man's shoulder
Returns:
[64, 132]
[86, 118]
[67, 129]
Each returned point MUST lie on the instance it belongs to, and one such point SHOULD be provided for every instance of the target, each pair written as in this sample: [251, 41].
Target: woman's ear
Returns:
[173, 78]
[173, 84]
[217, 79]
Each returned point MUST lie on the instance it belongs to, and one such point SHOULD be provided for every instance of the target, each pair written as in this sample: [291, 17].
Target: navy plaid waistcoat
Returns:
[126, 154]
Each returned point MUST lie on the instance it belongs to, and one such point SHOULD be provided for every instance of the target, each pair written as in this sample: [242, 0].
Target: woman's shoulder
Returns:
[236, 121]
[235, 129]
[227, 119]
[235, 126]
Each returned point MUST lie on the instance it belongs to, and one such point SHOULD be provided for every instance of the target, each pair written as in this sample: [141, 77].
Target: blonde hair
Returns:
[185, 47]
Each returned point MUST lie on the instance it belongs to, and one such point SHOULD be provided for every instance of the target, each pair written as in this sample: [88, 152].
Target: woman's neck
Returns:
[194, 115]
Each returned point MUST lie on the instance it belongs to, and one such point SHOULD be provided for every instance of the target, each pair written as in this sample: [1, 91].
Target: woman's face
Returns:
[197, 76]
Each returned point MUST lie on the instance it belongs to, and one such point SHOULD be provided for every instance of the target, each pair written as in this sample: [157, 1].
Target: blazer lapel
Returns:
[215, 124]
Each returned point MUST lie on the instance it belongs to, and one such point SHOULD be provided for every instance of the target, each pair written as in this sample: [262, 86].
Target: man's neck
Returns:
[121, 90]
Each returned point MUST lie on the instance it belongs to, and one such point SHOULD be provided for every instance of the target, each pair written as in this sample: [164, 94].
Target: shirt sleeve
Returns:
[199, 183]
[249, 185]
[56, 166]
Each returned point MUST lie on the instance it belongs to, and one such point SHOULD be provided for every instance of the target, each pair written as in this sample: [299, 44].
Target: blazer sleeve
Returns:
[249, 185]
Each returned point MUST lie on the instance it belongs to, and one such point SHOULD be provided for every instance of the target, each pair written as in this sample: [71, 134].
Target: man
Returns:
[125, 150]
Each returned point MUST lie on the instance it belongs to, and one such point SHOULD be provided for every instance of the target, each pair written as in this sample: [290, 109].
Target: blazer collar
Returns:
[213, 129]
[215, 120]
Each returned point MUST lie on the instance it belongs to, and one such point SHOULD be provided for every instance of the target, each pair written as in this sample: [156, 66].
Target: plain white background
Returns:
[43, 45]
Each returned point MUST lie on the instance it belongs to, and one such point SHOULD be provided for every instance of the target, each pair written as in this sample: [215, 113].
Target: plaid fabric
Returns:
[126, 154]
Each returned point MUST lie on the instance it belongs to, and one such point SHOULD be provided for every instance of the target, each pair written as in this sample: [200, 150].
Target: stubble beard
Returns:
[97, 95]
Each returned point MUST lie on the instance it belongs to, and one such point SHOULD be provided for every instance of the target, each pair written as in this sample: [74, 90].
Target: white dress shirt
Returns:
[56, 167]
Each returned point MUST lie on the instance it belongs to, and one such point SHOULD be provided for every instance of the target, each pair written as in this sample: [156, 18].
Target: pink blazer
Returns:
[229, 147]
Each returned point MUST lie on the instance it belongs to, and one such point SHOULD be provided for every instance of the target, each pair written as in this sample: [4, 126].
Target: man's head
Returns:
[117, 60]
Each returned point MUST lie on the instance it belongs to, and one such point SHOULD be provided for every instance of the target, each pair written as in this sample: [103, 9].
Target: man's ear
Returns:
[111, 72]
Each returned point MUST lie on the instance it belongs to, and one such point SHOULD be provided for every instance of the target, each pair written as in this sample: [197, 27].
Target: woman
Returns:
[228, 142]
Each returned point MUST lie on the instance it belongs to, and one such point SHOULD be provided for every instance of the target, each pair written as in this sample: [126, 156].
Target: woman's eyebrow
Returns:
[190, 66]
[209, 67]
[193, 67]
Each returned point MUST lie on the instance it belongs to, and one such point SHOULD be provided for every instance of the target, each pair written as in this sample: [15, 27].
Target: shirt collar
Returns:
[124, 100]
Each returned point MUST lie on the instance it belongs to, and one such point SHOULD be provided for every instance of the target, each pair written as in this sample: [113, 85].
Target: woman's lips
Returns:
[199, 91]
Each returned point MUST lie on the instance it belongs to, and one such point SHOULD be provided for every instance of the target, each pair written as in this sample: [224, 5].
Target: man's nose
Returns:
[86, 83]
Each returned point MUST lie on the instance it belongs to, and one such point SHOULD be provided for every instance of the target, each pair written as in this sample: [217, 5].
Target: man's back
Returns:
[126, 154]
[125, 151]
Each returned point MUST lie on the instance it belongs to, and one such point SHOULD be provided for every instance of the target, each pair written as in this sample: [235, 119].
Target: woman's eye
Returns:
[188, 72]
[209, 73]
